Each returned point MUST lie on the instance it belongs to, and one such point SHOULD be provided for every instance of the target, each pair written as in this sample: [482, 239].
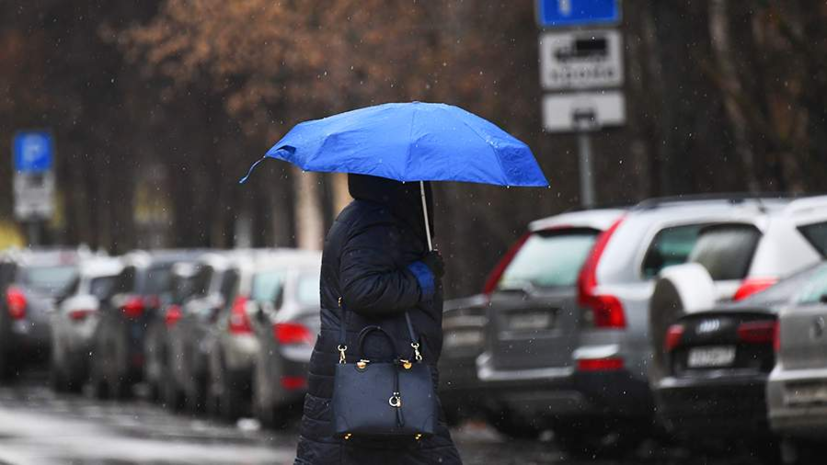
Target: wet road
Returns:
[38, 427]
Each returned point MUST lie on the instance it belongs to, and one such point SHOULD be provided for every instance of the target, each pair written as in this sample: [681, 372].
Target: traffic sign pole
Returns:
[584, 152]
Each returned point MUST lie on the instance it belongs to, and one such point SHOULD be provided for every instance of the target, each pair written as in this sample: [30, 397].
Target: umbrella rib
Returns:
[490, 147]
[410, 137]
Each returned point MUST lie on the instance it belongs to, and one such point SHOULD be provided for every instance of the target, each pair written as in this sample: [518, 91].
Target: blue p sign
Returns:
[33, 152]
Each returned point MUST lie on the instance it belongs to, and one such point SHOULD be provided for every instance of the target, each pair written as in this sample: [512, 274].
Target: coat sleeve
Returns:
[372, 284]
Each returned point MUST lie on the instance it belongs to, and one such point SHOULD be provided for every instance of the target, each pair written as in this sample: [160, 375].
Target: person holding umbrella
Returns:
[381, 278]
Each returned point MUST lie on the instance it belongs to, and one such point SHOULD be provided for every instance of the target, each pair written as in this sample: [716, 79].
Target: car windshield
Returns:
[307, 291]
[726, 250]
[48, 280]
[801, 286]
[549, 259]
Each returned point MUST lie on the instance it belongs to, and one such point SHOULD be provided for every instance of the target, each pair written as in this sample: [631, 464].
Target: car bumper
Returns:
[562, 392]
[240, 353]
[28, 341]
[796, 418]
[721, 407]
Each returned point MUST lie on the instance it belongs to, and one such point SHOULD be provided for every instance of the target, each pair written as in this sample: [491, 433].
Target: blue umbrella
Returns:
[410, 142]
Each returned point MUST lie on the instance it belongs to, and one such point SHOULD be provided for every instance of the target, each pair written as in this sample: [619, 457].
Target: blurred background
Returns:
[132, 262]
[156, 109]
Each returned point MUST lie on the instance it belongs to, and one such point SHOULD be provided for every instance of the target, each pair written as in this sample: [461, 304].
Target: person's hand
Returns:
[433, 260]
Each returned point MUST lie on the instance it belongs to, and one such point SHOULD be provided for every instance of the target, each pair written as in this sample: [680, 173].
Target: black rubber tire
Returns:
[596, 443]
[507, 424]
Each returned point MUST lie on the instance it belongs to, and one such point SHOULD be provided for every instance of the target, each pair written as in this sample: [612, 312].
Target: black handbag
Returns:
[383, 399]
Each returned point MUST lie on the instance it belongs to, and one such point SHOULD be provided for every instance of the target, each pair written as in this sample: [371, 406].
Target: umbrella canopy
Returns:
[410, 142]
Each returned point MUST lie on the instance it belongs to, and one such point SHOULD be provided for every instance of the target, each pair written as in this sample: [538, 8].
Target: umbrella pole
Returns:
[425, 212]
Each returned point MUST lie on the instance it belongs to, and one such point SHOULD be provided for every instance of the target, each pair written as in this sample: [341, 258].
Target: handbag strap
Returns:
[342, 347]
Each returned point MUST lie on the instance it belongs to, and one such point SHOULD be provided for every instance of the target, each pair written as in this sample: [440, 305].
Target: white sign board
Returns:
[34, 195]
[583, 111]
[581, 59]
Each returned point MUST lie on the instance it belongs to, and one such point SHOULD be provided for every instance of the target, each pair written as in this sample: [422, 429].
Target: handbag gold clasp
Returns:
[362, 364]
[342, 349]
[406, 364]
[415, 346]
[395, 400]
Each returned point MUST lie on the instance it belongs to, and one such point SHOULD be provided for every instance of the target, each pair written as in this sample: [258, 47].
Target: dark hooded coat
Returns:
[371, 260]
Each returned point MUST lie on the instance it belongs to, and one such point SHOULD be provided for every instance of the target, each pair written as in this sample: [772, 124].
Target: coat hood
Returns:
[403, 199]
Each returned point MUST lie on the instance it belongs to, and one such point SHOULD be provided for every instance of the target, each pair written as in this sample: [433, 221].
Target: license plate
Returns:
[463, 338]
[711, 357]
[808, 394]
[531, 321]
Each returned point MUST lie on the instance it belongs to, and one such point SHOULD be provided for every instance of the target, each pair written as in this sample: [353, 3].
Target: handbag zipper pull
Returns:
[342, 349]
[415, 346]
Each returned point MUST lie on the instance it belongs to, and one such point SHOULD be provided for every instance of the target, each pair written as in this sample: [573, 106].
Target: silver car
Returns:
[797, 386]
[585, 374]
[74, 322]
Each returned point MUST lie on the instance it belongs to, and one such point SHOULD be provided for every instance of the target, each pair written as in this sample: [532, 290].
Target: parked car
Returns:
[718, 361]
[118, 356]
[287, 331]
[156, 342]
[231, 342]
[735, 258]
[797, 387]
[592, 386]
[463, 326]
[533, 323]
[74, 322]
[29, 282]
[216, 282]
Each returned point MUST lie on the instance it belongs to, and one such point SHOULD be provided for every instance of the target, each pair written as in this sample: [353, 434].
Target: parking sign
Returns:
[33, 151]
[564, 13]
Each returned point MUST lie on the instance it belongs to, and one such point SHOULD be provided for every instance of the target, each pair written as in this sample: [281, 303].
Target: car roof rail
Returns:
[733, 198]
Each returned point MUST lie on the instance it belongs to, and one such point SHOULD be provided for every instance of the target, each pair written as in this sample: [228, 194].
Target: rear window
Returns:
[48, 280]
[158, 280]
[102, 287]
[549, 259]
[308, 289]
[267, 285]
[816, 235]
[726, 250]
[671, 246]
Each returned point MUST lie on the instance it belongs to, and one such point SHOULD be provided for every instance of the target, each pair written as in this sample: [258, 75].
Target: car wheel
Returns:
[223, 397]
[517, 428]
[601, 442]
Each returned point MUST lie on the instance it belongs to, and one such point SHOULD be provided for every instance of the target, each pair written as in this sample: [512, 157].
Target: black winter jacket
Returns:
[371, 260]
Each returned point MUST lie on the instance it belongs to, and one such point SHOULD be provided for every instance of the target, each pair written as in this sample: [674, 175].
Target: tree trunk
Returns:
[720, 38]
[309, 221]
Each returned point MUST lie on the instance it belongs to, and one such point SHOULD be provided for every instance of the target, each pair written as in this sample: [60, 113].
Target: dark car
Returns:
[189, 338]
[718, 363]
[463, 326]
[287, 332]
[156, 342]
[29, 281]
[75, 320]
[141, 289]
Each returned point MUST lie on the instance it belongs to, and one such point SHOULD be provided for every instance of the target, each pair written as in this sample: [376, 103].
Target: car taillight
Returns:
[172, 315]
[600, 364]
[673, 337]
[293, 382]
[752, 286]
[292, 333]
[80, 314]
[776, 338]
[134, 307]
[757, 332]
[607, 310]
[497, 272]
[239, 320]
[16, 302]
